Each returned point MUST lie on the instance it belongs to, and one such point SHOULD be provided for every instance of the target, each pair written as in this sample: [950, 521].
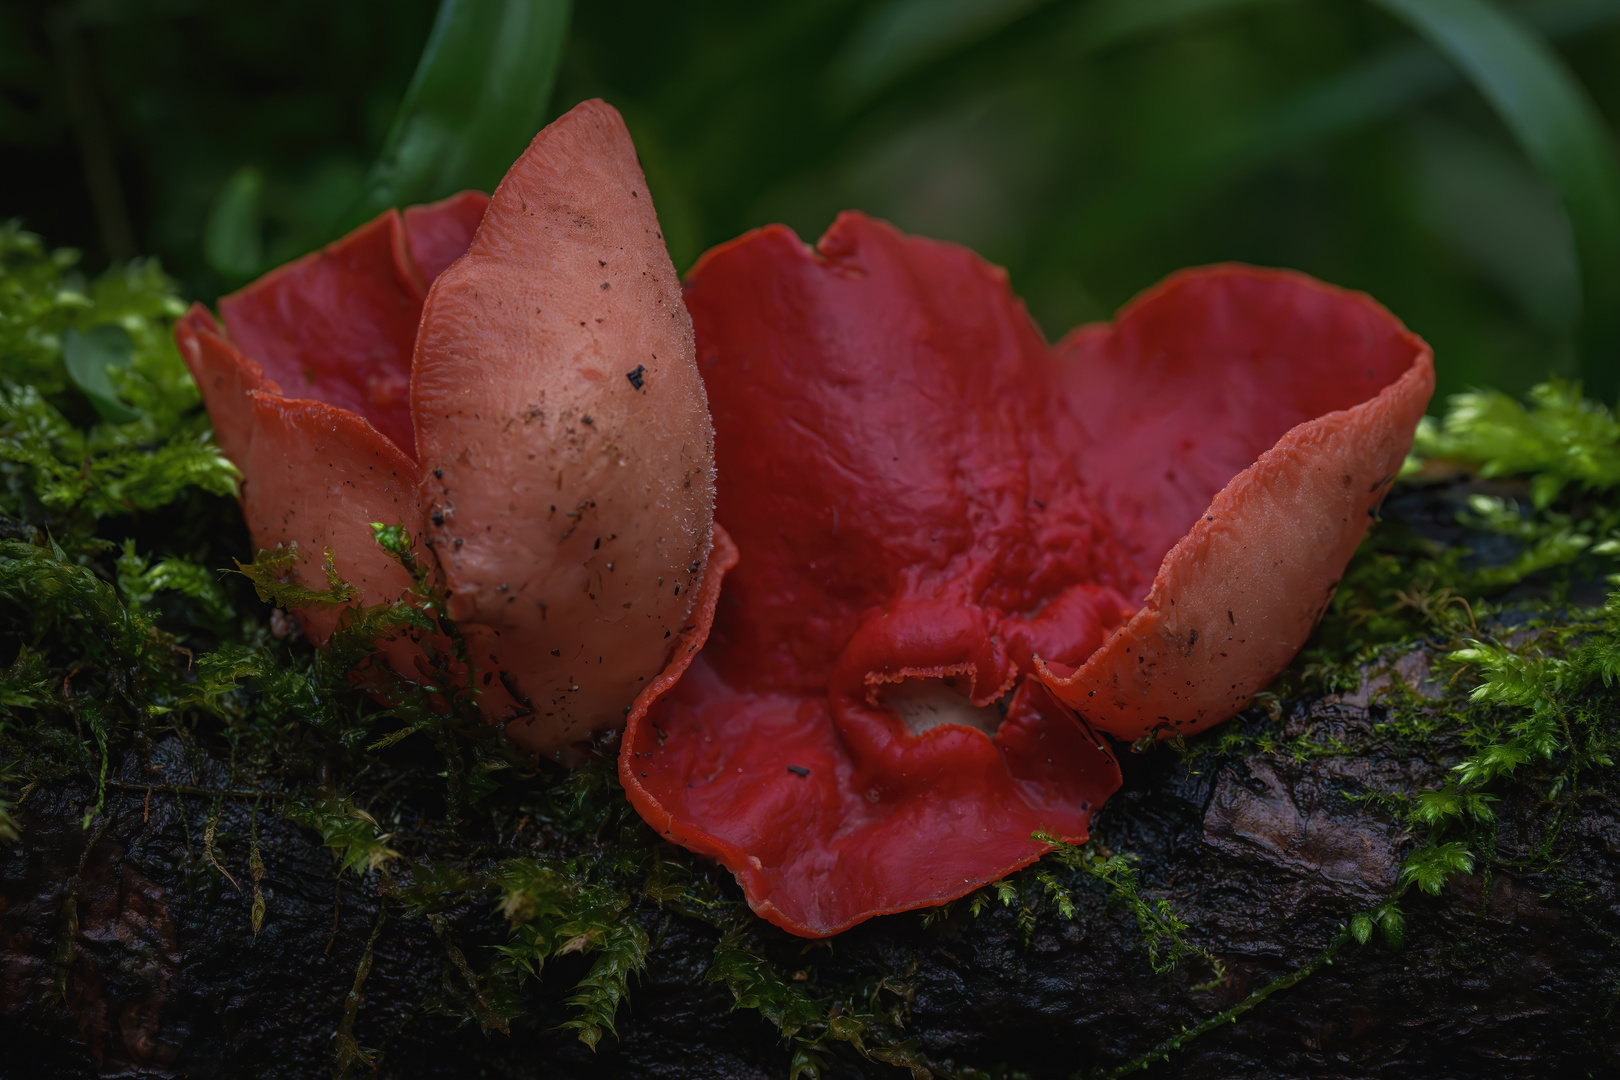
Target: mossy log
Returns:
[128, 947]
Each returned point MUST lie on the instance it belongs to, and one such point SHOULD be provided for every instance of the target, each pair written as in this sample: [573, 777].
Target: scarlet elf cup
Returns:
[512, 382]
[962, 552]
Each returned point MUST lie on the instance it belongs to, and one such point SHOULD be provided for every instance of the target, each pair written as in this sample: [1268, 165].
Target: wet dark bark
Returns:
[1510, 973]
[123, 953]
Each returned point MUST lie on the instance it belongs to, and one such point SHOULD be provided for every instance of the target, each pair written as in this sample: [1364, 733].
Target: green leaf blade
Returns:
[1562, 133]
[89, 356]
[479, 95]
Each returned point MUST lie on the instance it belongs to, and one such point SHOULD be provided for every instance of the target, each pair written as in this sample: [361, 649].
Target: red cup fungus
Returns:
[511, 378]
[961, 551]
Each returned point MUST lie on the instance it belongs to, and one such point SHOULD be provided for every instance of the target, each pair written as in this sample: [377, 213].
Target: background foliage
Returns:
[1091, 146]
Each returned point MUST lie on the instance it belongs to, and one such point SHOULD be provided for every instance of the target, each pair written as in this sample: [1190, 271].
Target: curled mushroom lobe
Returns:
[962, 552]
[512, 379]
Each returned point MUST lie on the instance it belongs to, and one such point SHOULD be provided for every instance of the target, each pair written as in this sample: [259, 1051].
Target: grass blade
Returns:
[478, 96]
[1562, 133]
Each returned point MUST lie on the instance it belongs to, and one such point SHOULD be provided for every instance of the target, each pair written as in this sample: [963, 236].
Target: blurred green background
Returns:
[1461, 173]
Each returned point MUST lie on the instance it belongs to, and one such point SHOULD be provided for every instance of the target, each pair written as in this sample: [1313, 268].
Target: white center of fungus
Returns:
[928, 703]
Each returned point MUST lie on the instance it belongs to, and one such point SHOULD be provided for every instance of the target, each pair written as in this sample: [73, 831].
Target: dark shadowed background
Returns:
[1090, 146]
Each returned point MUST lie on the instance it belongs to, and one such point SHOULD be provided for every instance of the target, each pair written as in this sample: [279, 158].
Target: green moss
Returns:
[1560, 439]
[62, 474]
[867, 1016]
[1163, 931]
[271, 573]
[353, 836]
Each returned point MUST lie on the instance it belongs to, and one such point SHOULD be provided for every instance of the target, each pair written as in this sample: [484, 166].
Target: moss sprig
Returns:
[1163, 931]
[868, 1016]
[1560, 438]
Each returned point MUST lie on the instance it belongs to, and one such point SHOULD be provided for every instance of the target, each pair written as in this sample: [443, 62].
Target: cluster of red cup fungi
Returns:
[942, 557]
